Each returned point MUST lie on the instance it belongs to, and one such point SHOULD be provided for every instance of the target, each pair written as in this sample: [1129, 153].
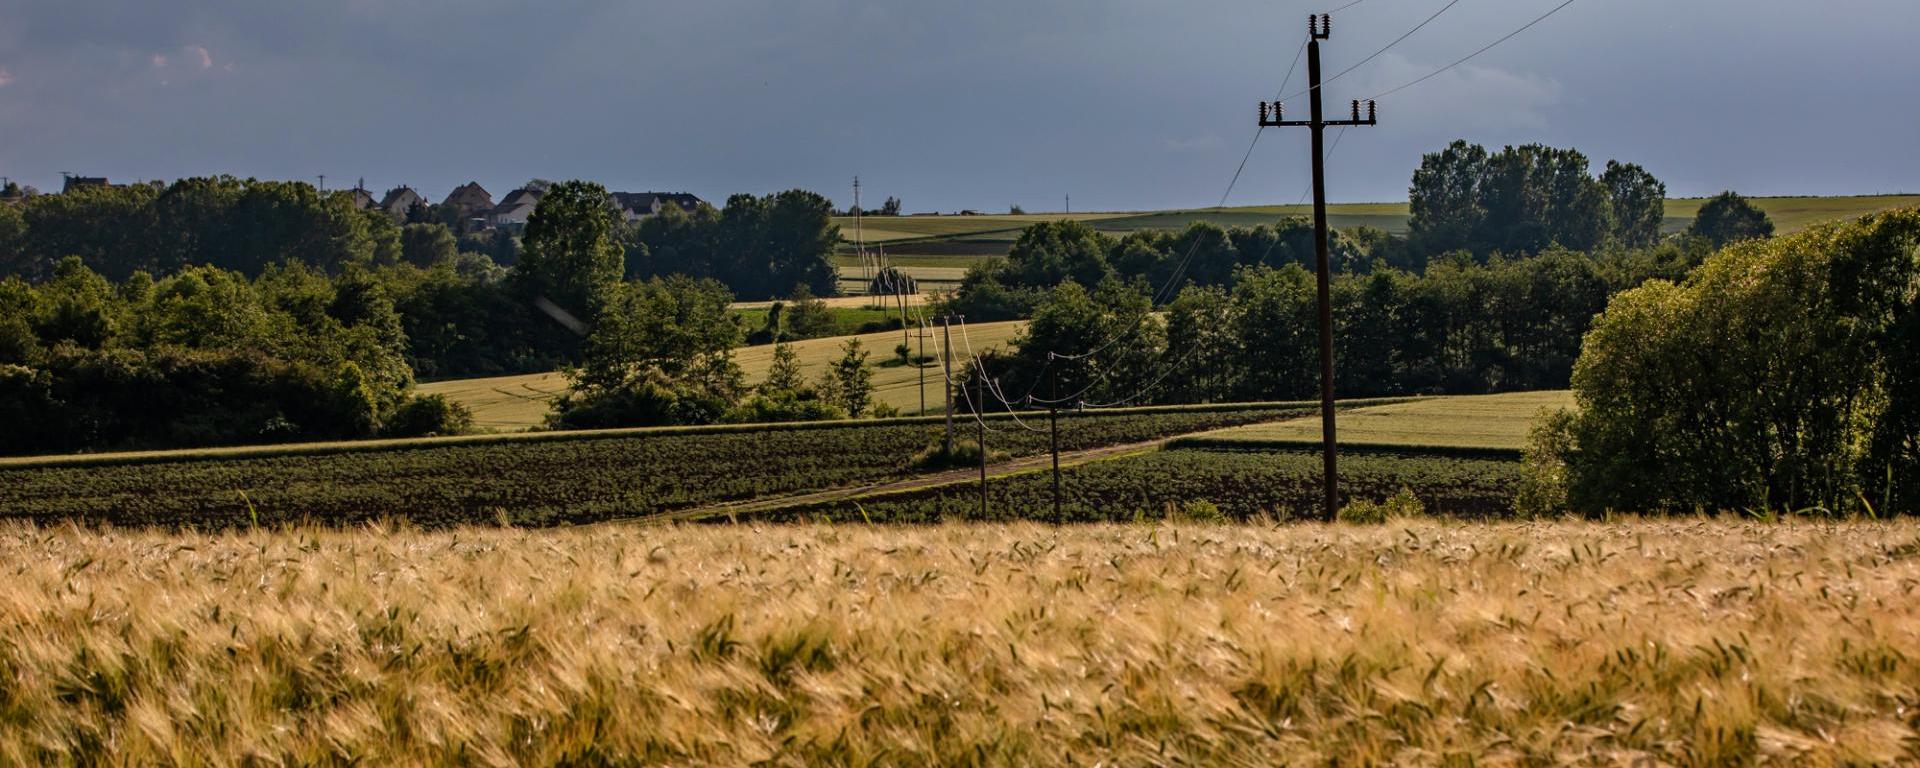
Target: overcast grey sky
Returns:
[1125, 104]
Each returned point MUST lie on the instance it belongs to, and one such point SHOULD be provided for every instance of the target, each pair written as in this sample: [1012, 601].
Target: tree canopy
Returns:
[1523, 199]
[1768, 379]
[1728, 218]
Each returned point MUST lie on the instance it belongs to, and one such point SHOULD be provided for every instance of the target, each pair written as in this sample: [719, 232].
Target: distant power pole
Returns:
[946, 355]
[1069, 203]
[920, 364]
[1053, 438]
[1320, 28]
[323, 183]
[979, 401]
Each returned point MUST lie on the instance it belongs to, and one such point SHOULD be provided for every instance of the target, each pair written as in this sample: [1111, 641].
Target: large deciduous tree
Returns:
[1769, 379]
[1523, 199]
[661, 352]
[1728, 218]
[1639, 203]
[570, 255]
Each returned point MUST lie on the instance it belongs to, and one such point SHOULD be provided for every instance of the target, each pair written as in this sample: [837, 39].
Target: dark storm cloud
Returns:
[1123, 103]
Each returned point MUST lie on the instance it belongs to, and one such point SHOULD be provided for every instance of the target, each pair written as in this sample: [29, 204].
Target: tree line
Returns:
[265, 311]
[205, 356]
[1508, 257]
[1458, 327]
[466, 302]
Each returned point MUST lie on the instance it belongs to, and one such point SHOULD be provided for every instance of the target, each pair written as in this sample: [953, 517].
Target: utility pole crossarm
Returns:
[1271, 111]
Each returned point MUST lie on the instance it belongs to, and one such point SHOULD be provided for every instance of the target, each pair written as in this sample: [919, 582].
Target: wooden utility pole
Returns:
[899, 293]
[946, 356]
[1320, 28]
[920, 364]
[1053, 439]
[980, 422]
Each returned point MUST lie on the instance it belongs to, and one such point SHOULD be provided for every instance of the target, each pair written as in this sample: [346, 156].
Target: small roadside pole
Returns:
[899, 293]
[1053, 436]
[946, 357]
[920, 363]
[979, 396]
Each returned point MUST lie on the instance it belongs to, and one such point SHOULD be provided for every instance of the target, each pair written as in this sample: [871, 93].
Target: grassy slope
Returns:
[1683, 642]
[521, 402]
[883, 229]
[1468, 421]
[1789, 214]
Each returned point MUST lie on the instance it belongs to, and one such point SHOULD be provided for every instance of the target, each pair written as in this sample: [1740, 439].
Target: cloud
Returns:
[1468, 95]
[159, 60]
[6, 78]
[206, 59]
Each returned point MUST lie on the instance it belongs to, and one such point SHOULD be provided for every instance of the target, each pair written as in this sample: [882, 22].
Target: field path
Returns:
[947, 477]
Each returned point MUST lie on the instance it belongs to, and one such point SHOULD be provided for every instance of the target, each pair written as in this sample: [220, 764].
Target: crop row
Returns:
[545, 482]
[1239, 483]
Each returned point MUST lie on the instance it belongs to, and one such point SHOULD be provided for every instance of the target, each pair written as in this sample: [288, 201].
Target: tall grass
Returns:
[1683, 642]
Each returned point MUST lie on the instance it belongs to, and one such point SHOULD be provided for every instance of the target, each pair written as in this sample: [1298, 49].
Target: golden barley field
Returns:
[1684, 642]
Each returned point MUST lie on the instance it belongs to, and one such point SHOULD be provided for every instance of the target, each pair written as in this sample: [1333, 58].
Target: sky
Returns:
[1122, 104]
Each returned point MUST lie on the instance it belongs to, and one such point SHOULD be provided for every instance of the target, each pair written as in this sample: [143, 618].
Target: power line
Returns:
[1470, 56]
[1174, 277]
[1376, 54]
[1150, 386]
[992, 387]
[1186, 260]
[1261, 129]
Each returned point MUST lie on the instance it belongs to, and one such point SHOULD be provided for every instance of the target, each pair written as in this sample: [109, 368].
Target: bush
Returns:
[1197, 511]
[173, 398]
[1759, 383]
[1368, 512]
[783, 405]
[965, 453]
[426, 415]
[645, 401]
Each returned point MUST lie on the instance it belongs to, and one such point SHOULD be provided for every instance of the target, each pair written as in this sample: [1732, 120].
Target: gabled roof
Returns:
[517, 213]
[469, 196]
[399, 196]
[518, 196]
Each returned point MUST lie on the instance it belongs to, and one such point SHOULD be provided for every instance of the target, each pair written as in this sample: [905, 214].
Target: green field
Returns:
[889, 229]
[1155, 485]
[1457, 454]
[1789, 214]
[1469, 421]
[536, 479]
[518, 402]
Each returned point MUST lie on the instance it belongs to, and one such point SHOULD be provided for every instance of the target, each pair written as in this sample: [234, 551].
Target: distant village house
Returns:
[399, 200]
[472, 200]
[635, 206]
